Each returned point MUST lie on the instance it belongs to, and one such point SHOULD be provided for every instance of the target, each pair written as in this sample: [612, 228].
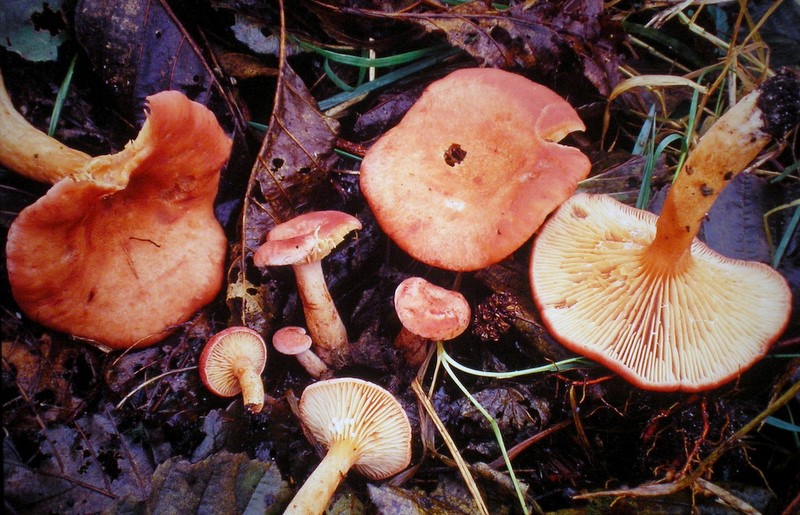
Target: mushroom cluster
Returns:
[302, 243]
[641, 295]
[125, 247]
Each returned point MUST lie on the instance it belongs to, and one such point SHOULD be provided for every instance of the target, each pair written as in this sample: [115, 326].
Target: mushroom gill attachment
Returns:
[641, 295]
[232, 362]
[690, 329]
[127, 248]
[473, 168]
[362, 426]
[302, 243]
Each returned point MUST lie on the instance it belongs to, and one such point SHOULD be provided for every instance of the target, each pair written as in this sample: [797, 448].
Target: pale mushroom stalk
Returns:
[29, 151]
[322, 318]
[315, 367]
[723, 152]
[315, 494]
[252, 387]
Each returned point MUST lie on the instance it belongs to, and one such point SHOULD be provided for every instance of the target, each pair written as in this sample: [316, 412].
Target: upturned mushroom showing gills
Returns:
[302, 243]
[473, 168]
[232, 362]
[640, 295]
[127, 248]
[362, 426]
[428, 313]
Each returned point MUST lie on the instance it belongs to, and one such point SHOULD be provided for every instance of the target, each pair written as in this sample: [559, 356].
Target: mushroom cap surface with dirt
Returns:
[473, 168]
[128, 248]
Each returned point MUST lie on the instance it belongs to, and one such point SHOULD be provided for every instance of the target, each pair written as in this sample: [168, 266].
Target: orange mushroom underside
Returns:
[128, 247]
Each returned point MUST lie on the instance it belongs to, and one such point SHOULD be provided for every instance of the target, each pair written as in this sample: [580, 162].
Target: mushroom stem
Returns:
[29, 151]
[413, 347]
[726, 149]
[315, 494]
[315, 367]
[322, 319]
[252, 387]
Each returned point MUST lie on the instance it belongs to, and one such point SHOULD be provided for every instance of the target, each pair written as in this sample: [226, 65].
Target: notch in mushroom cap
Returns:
[428, 313]
[473, 168]
[231, 362]
[302, 243]
[128, 247]
[362, 426]
[639, 294]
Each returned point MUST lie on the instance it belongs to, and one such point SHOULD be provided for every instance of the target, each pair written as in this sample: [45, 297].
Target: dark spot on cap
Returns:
[705, 190]
[728, 176]
[454, 155]
[687, 228]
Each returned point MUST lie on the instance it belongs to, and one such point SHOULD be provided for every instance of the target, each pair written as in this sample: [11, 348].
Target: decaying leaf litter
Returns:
[88, 431]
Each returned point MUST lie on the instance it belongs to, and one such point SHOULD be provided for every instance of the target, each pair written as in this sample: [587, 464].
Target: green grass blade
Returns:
[61, 97]
[387, 79]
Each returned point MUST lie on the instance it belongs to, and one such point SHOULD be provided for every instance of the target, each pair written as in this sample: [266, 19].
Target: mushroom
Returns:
[473, 168]
[30, 152]
[428, 313]
[231, 362]
[294, 341]
[128, 247]
[641, 295]
[362, 426]
[302, 243]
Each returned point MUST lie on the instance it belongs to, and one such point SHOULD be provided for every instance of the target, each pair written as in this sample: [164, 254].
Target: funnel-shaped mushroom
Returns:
[128, 247]
[30, 152]
[428, 313]
[473, 168]
[639, 294]
[232, 362]
[302, 243]
[362, 426]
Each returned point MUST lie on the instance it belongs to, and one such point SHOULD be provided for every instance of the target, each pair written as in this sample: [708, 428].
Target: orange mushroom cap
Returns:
[305, 238]
[473, 168]
[431, 311]
[128, 247]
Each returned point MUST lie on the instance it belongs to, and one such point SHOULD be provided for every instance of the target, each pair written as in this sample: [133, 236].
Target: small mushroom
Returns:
[362, 426]
[641, 295]
[302, 243]
[127, 247]
[30, 152]
[294, 341]
[232, 362]
[473, 168]
[428, 313]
